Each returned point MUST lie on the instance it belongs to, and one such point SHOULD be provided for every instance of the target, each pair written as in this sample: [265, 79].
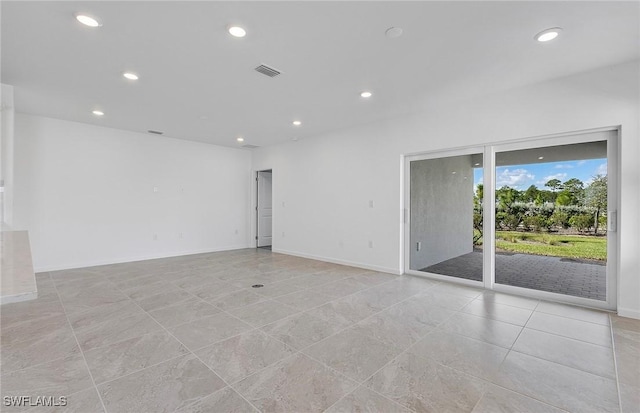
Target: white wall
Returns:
[441, 210]
[327, 182]
[86, 194]
[6, 155]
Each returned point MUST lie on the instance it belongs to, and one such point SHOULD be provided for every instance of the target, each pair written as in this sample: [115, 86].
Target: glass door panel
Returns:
[446, 230]
[550, 219]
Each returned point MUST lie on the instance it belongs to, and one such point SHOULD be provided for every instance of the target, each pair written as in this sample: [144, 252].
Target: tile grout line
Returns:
[199, 359]
[615, 363]
[95, 387]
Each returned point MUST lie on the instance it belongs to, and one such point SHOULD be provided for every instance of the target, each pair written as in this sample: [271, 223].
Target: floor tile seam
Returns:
[392, 347]
[480, 298]
[33, 366]
[461, 311]
[439, 329]
[538, 301]
[510, 349]
[426, 358]
[51, 333]
[615, 362]
[102, 383]
[574, 318]
[97, 326]
[488, 317]
[102, 347]
[193, 403]
[568, 338]
[351, 325]
[148, 312]
[373, 391]
[84, 359]
[529, 396]
[611, 379]
[197, 357]
[62, 314]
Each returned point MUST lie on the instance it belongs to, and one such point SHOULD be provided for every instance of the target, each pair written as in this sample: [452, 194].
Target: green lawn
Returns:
[554, 245]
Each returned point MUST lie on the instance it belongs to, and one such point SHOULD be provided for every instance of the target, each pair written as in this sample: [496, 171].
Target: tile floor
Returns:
[190, 334]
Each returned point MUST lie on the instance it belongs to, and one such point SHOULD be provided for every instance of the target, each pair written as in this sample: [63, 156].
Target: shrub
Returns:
[560, 219]
[582, 222]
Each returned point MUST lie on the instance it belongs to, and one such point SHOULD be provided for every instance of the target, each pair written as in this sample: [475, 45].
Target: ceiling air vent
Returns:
[250, 146]
[266, 70]
[155, 132]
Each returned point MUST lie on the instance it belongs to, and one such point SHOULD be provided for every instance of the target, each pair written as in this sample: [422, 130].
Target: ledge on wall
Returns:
[17, 279]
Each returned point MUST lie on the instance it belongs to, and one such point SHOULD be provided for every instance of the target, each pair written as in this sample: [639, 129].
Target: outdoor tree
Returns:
[554, 184]
[574, 188]
[477, 214]
[596, 197]
[531, 194]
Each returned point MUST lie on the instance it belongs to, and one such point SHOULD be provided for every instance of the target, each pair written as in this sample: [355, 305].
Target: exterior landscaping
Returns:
[566, 220]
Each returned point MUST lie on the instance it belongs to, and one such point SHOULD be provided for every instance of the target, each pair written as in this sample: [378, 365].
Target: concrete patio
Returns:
[580, 278]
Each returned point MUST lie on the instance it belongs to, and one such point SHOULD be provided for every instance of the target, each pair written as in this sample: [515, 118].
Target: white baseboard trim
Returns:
[394, 271]
[625, 312]
[122, 260]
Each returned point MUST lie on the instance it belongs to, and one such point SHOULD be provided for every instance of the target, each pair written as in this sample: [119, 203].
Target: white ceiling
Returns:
[197, 82]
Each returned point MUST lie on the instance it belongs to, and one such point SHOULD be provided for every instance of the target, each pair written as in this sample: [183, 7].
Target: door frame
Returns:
[256, 220]
[489, 150]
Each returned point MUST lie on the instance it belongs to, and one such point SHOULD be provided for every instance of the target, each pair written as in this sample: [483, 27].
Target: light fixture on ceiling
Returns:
[548, 34]
[296, 123]
[98, 113]
[87, 20]
[540, 157]
[366, 94]
[393, 32]
[130, 75]
[476, 164]
[240, 139]
[237, 31]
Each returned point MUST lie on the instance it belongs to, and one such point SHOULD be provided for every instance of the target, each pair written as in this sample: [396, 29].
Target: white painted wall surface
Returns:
[86, 194]
[6, 155]
[327, 182]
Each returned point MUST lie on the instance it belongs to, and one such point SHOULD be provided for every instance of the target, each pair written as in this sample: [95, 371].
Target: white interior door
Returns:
[265, 209]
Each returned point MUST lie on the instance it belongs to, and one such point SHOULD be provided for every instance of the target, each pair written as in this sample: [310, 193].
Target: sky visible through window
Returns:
[521, 177]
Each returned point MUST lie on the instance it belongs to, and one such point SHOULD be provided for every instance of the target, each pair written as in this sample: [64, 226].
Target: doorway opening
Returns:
[264, 209]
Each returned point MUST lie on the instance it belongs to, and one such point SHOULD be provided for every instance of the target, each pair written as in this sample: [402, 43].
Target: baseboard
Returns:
[625, 312]
[123, 260]
[395, 271]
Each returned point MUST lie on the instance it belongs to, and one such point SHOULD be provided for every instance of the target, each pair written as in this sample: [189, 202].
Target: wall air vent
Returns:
[250, 146]
[268, 71]
[155, 132]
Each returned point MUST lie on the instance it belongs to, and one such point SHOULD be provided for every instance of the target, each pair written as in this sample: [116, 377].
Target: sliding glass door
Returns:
[446, 229]
[551, 210]
[535, 217]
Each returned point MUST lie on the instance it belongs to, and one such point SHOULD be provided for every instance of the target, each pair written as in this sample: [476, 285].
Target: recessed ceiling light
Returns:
[237, 31]
[477, 164]
[240, 139]
[296, 123]
[366, 94]
[130, 75]
[98, 113]
[541, 157]
[393, 32]
[88, 20]
[549, 34]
